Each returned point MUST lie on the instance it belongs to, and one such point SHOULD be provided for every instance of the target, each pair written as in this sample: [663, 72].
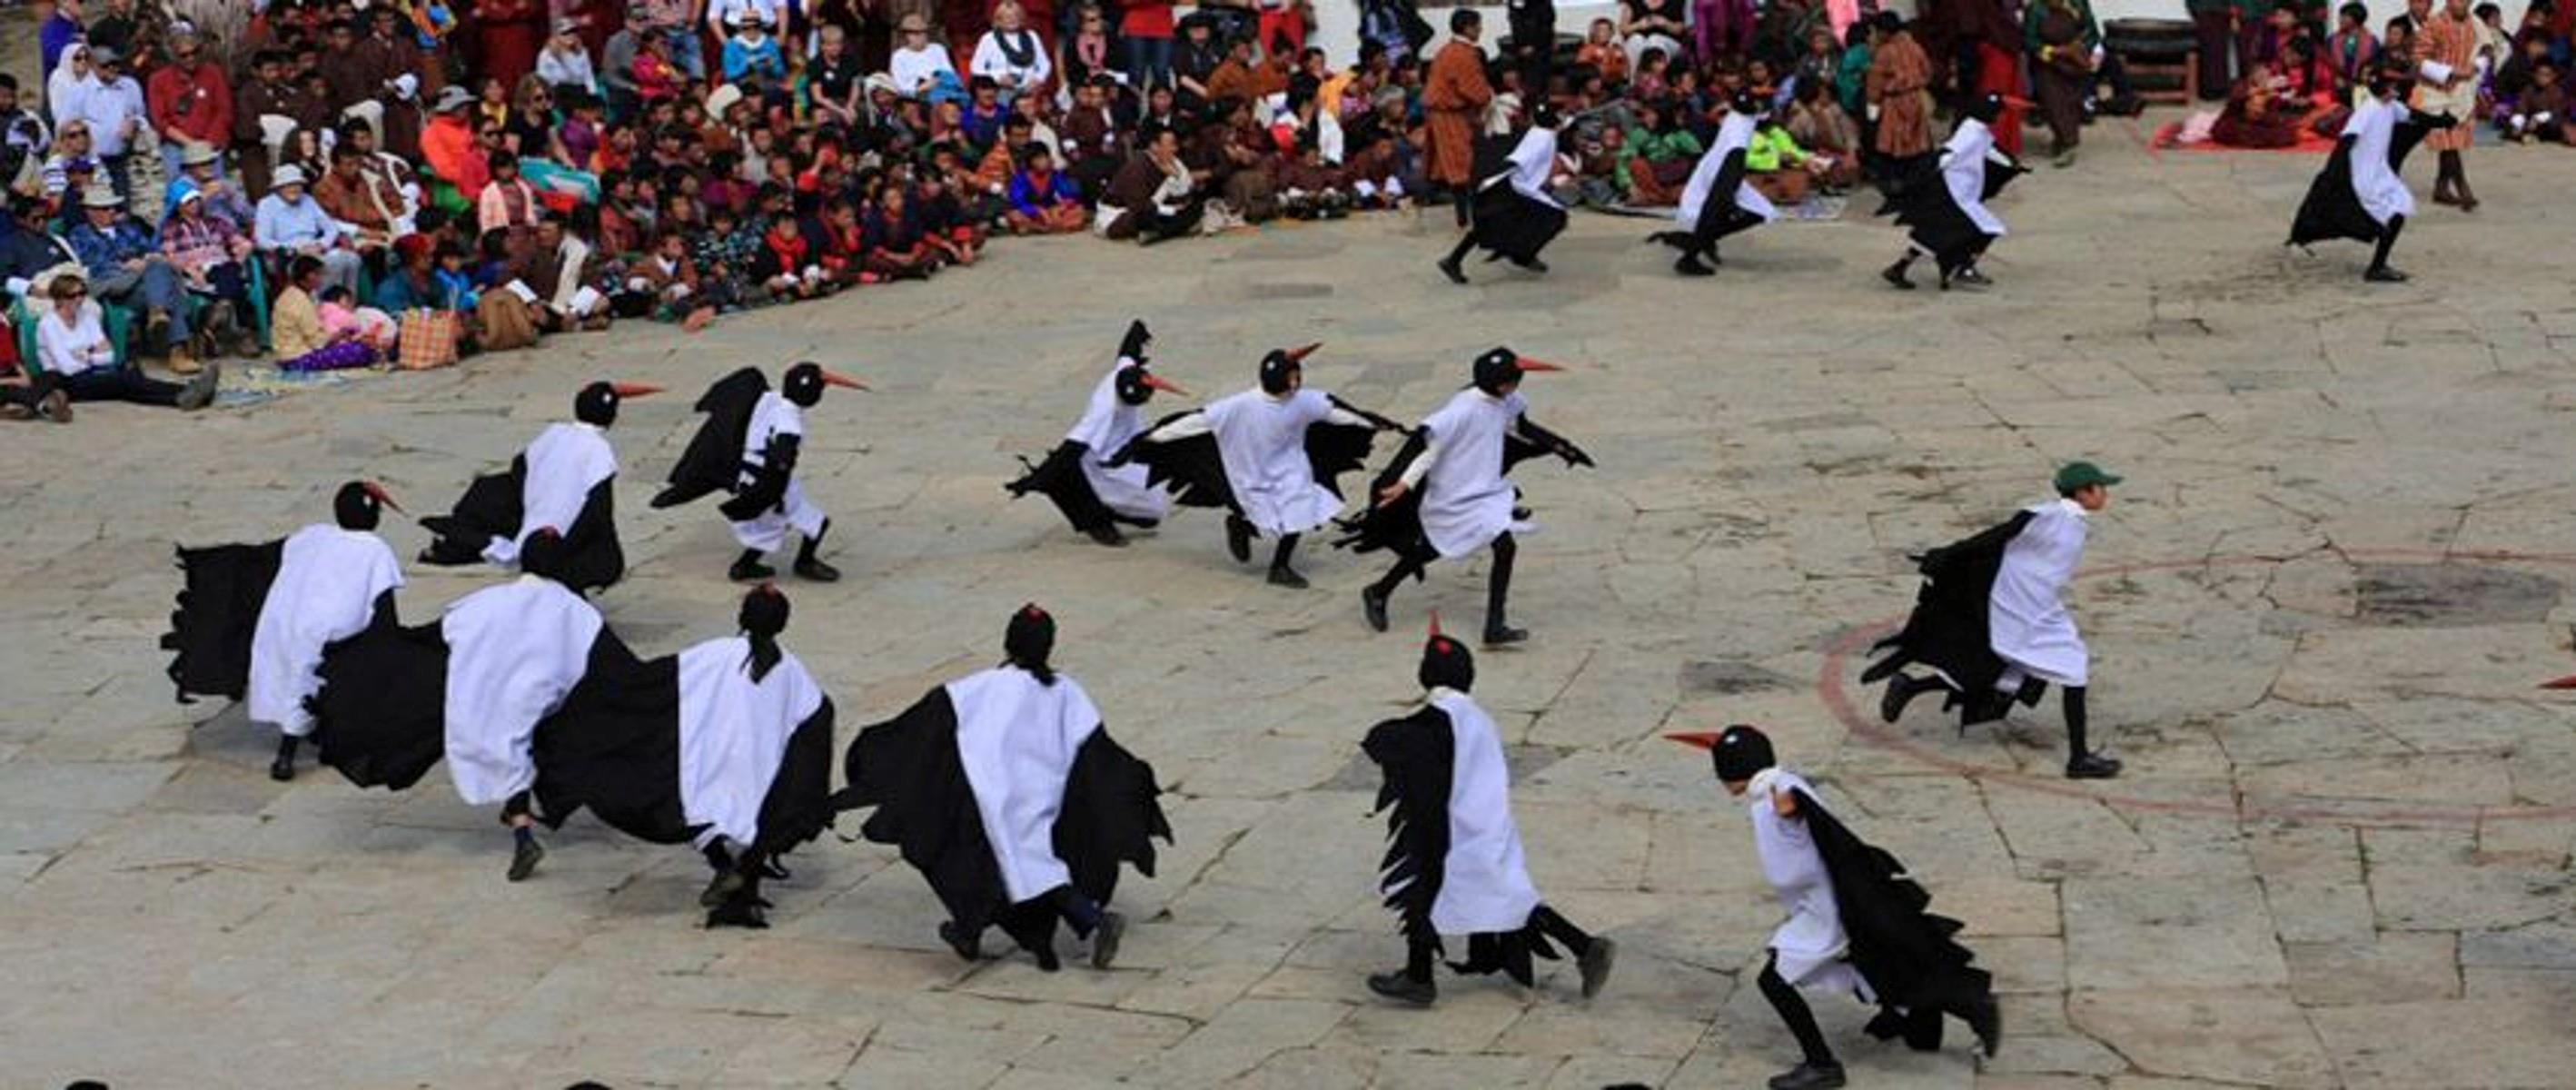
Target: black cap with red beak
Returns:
[596, 404]
[1445, 662]
[1499, 367]
[804, 383]
[1136, 384]
[1281, 363]
[359, 505]
[1737, 752]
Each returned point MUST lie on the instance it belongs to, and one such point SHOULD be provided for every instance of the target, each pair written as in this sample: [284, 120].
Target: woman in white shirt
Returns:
[73, 346]
[917, 61]
[1011, 55]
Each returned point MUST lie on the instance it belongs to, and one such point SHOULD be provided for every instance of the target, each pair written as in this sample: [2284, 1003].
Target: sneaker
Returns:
[1594, 964]
[1403, 989]
[1104, 939]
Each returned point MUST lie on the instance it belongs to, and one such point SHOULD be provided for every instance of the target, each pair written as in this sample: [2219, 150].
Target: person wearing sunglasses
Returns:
[72, 345]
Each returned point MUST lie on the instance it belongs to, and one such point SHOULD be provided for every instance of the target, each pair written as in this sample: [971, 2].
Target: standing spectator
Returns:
[1721, 27]
[113, 29]
[1899, 90]
[191, 101]
[24, 138]
[121, 257]
[71, 84]
[2446, 83]
[1532, 24]
[510, 33]
[58, 25]
[289, 222]
[2062, 38]
[1147, 28]
[1454, 96]
[72, 344]
[2351, 51]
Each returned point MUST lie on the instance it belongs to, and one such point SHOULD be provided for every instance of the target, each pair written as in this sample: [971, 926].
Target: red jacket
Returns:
[197, 102]
[790, 254]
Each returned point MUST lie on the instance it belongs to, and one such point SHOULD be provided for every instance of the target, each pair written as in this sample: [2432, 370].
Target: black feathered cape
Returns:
[1948, 629]
[218, 611]
[1910, 956]
[1196, 471]
[1416, 756]
[714, 462]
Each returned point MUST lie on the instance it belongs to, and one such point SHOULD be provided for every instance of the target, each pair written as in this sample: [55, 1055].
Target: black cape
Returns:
[2332, 210]
[614, 748]
[1948, 629]
[1060, 479]
[1415, 756]
[491, 508]
[1195, 471]
[908, 769]
[218, 610]
[1910, 956]
[714, 462]
[380, 717]
[1512, 224]
[1939, 224]
[1397, 527]
[1719, 215]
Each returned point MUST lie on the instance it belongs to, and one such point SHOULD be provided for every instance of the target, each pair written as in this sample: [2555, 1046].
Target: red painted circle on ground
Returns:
[1866, 726]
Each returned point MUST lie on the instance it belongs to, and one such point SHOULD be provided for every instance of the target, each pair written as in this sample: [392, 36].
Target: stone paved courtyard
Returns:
[2319, 611]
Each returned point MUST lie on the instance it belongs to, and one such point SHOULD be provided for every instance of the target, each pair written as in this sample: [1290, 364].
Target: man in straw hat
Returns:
[126, 268]
[289, 222]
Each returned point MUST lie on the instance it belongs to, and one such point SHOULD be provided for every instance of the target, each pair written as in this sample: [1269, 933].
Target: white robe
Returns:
[327, 583]
[733, 732]
[2381, 192]
[1017, 739]
[1466, 501]
[772, 417]
[513, 652]
[1533, 160]
[1963, 171]
[2025, 621]
[1733, 135]
[1484, 884]
[1810, 945]
[1106, 426]
[565, 462]
[1262, 440]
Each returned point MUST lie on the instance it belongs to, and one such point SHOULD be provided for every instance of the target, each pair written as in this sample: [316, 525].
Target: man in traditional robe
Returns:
[1990, 625]
[1454, 96]
[1898, 89]
[1857, 924]
[1446, 495]
[1453, 861]
[2446, 83]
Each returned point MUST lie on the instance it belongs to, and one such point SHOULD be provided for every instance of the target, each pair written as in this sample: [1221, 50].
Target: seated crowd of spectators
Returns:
[2301, 68]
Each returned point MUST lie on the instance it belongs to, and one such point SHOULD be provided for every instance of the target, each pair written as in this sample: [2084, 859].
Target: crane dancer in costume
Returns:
[1269, 456]
[1007, 793]
[473, 687]
[1856, 926]
[1446, 496]
[726, 746]
[255, 618]
[1989, 623]
[1094, 495]
[566, 479]
[1515, 215]
[1951, 223]
[1453, 861]
[1717, 201]
[2359, 194]
[749, 446]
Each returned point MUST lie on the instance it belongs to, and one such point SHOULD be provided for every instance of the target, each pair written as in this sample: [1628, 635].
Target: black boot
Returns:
[524, 857]
[1901, 690]
[1809, 1076]
[1238, 538]
[807, 566]
[967, 946]
[1404, 989]
[1373, 607]
[741, 909]
[1107, 534]
[1281, 575]
[748, 567]
[1689, 264]
[1104, 939]
[2379, 271]
[2081, 762]
[1498, 592]
[1895, 274]
[283, 768]
[1986, 1020]
[1449, 266]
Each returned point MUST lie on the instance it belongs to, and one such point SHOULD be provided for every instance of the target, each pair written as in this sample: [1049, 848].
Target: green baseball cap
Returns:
[2077, 475]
